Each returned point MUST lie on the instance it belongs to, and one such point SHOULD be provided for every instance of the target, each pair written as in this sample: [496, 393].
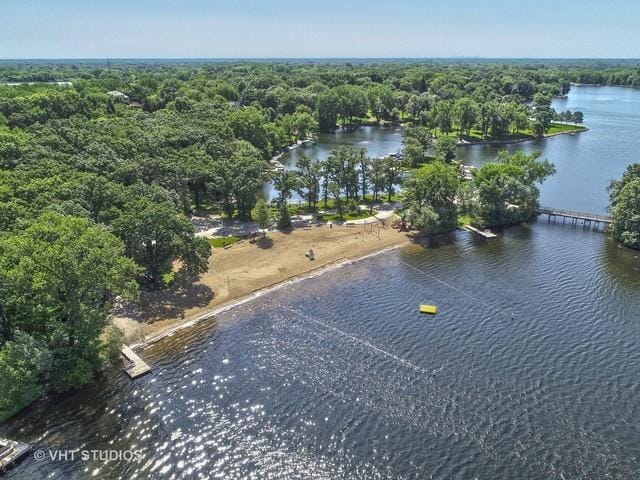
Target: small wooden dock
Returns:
[482, 233]
[11, 452]
[587, 220]
[466, 171]
[135, 366]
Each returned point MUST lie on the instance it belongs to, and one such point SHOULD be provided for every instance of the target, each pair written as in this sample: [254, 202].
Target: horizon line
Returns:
[459, 57]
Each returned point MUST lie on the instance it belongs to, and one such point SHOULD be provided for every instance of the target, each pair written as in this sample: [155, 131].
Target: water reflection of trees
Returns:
[622, 264]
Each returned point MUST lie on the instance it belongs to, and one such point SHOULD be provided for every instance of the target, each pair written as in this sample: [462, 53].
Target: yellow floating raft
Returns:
[430, 309]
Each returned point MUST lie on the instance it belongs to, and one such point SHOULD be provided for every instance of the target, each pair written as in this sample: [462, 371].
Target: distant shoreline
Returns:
[466, 143]
[600, 85]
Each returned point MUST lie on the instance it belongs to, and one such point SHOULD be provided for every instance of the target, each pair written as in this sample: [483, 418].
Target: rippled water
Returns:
[531, 369]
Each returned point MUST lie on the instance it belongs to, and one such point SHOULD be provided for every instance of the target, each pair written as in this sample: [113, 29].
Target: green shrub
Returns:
[23, 363]
[352, 206]
[112, 344]
[221, 242]
[284, 220]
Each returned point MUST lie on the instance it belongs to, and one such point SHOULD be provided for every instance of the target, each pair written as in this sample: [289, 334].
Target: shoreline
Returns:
[275, 162]
[161, 314]
[465, 143]
[469, 143]
[230, 305]
[598, 85]
[246, 270]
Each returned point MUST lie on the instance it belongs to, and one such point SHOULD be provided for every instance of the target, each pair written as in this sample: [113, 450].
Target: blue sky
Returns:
[326, 28]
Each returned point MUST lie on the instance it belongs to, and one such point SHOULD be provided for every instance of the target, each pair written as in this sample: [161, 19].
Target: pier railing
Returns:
[574, 215]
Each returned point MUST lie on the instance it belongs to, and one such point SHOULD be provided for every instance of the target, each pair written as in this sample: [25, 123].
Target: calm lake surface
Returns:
[531, 369]
[585, 162]
[379, 141]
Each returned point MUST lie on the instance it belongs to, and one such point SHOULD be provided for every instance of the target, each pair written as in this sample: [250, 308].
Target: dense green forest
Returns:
[100, 172]
[625, 207]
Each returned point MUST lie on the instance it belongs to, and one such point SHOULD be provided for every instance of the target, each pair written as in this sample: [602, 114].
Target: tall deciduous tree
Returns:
[62, 274]
[443, 111]
[155, 235]
[24, 365]
[285, 182]
[328, 110]
[239, 176]
[417, 141]
[466, 114]
[262, 214]
[542, 114]
[446, 149]
[250, 124]
[197, 167]
[507, 190]
[430, 194]
[625, 207]
[392, 170]
[413, 152]
[310, 176]
[299, 125]
[377, 177]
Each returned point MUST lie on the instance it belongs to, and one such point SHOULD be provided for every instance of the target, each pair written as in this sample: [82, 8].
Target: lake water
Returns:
[585, 162]
[378, 141]
[531, 369]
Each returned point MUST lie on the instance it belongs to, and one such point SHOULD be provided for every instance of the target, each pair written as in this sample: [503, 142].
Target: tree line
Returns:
[432, 193]
[503, 192]
[624, 207]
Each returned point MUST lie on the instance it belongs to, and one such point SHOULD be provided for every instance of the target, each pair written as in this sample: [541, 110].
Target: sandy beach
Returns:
[246, 268]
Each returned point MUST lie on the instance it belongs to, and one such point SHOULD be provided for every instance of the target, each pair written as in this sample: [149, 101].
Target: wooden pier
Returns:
[482, 233]
[11, 452]
[135, 366]
[587, 220]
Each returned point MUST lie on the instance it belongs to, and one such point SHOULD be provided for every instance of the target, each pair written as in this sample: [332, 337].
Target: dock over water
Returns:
[574, 218]
[482, 233]
[135, 366]
[11, 452]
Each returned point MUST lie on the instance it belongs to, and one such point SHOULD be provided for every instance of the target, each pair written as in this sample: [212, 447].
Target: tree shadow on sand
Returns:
[169, 303]
[264, 243]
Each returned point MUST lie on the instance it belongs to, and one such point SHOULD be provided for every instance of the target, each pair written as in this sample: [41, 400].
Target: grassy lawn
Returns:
[476, 136]
[526, 134]
[465, 220]
[334, 217]
[382, 198]
[221, 242]
[302, 208]
[206, 209]
[370, 120]
[562, 128]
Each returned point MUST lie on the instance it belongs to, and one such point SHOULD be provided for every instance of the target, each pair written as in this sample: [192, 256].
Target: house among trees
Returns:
[116, 95]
